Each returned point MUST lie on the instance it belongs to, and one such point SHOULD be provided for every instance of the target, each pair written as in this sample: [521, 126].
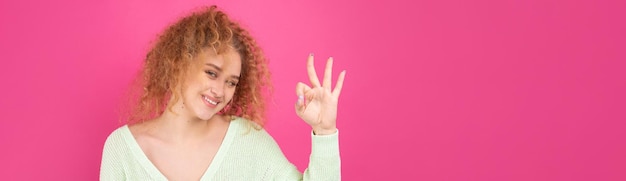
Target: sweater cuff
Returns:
[325, 145]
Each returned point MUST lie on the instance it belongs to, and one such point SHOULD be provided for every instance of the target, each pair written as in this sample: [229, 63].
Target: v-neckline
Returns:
[143, 160]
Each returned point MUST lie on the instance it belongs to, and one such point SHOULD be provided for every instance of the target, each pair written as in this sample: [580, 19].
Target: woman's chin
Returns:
[206, 116]
[210, 116]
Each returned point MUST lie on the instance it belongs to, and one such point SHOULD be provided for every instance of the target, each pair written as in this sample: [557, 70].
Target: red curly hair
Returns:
[171, 58]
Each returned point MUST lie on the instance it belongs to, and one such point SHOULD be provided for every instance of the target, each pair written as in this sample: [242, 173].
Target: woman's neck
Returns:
[180, 127]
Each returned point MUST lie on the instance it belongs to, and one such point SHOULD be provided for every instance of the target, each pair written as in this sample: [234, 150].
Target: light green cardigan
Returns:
[245, 154]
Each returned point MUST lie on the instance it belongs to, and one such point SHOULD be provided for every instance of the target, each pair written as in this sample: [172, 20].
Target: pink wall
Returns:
[436, 90]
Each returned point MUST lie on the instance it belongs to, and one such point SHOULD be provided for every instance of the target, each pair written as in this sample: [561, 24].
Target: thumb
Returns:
[300, 103]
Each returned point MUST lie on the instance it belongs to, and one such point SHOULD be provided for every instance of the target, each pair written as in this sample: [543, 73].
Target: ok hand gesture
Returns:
[317, 105]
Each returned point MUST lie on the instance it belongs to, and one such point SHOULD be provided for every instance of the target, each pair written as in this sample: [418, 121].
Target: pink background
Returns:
[435, 90]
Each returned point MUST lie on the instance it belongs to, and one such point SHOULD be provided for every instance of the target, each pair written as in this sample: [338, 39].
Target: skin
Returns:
[182, 143]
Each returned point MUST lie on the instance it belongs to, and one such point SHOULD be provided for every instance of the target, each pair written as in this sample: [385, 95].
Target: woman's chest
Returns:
[182, 162]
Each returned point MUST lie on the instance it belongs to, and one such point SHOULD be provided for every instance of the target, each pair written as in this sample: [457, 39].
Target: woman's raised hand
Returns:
[317, 104]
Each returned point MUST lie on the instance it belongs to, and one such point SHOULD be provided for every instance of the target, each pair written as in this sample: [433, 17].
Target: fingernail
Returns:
[300, 99]
[310, 54]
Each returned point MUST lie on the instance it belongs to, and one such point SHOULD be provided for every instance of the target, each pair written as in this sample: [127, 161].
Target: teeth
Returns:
[209, 100]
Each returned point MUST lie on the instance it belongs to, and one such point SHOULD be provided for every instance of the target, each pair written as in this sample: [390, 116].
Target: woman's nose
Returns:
[218, 90]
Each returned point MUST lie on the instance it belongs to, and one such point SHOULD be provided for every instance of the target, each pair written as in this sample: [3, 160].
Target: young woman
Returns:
[201, 110]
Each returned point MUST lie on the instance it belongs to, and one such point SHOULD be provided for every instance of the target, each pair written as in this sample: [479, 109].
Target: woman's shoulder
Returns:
[119, 130]
[249, 129]
[256, 140]
[117, 136]
[243, 123]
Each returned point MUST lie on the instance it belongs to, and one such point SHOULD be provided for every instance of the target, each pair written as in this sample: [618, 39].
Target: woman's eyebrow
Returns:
[214, 66]
[220, 69]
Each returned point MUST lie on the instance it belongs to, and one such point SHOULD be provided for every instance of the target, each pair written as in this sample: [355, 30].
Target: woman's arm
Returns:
[111, 167]
[324, 162]
[317, 106]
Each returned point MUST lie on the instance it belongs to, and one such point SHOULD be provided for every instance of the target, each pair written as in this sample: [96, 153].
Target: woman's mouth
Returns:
[210, 101]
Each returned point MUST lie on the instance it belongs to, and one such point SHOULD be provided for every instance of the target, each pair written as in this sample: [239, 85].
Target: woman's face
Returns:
[211, 85]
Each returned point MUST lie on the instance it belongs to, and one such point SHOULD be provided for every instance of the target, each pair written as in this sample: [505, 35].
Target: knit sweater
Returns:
[245, 154]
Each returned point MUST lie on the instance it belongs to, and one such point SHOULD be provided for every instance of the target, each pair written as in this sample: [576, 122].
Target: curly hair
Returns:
[171, 57]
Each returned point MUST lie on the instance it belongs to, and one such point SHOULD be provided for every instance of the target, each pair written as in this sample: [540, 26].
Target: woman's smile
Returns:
[210, 102]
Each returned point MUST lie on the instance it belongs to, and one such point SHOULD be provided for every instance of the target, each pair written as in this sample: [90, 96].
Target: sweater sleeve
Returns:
[110, 167]
[324, 161]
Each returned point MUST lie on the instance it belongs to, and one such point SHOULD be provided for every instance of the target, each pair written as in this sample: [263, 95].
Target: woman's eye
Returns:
[211, 73]
[232, 84]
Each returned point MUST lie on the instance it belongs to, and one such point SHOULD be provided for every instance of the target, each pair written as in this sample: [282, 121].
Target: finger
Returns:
[339, 85]
[300, 105]
[301, 88]
[310, 66]
[328, 74]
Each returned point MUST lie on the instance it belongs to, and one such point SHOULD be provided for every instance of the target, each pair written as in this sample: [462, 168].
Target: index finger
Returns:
[328, 73]
[310, 66]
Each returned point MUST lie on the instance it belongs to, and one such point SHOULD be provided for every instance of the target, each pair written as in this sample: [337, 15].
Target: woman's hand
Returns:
[317, 105]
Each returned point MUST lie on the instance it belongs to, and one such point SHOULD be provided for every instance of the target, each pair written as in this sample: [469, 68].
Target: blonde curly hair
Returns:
[171, 58]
